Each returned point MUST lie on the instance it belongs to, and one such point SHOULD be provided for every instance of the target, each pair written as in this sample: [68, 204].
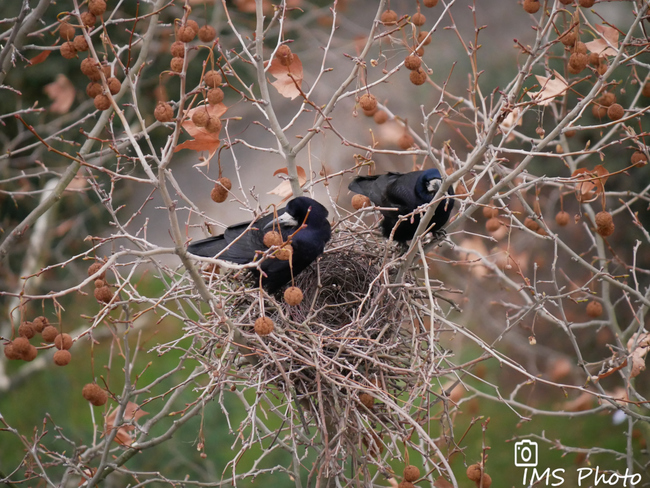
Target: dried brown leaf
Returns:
[288, 78]
[132, 412]
[601, 46]
[284, 189]
[62, 92]
[203, 140]
[551, 88]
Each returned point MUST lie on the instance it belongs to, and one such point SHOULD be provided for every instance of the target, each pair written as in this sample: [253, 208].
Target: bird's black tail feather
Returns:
[209, 247]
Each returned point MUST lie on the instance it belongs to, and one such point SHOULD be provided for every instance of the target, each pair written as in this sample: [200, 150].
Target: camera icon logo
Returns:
[526, 454]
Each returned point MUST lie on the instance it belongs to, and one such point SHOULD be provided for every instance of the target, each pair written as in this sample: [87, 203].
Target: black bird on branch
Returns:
[303, 223]
[405, 192]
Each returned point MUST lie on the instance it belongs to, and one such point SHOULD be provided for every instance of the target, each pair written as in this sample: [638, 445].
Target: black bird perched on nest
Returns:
[405, 192]
[303, 221]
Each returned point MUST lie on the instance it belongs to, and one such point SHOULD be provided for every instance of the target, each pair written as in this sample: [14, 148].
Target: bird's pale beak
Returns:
[433, 185]
[283, 220]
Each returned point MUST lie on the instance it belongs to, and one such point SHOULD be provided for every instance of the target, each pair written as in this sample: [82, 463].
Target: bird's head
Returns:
[429, 183]
[296, 211]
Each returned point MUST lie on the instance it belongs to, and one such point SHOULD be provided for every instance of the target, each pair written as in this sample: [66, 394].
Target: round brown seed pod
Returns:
[360, 201]
[176, 65]
[91, 69]
[218, 194]
[430, 3]
[95, 394]
[66, 31]
[570, 133]
[212, 78]
[604, 224]
[80, 43]
[264, 326]
[285, 55]
[424, 38]
[406, 484]
[88, 19]
[49, 333]
[566, 2]
[207, 33]
[26, 330]
[380, 117]
[30, 354]
[40, 323]
[100, 283]
[213, 125]
[62, 357]
[639, 159]
[474, 472]
[11, 353]
[186, 34]
[577, 62]
[97, 7]
[103, 294]
[272, 238]
[370, 113]
[102, 102]
[68, 50]
[293, 296]
[200, 118]
[615, 112]
[411, 473]
[490, 212]
[602, 67]
[594, 59]
[405, 141]
[178, 49]
[607, 99]
[569, 38]
[21, 345]
[418, 76]
[367, 400]
[163, 112]
[106, 69]
[215, 95]
[192, 24]
[645, 91]
[63, 341]
[531, 224]
[225, 182]
[599, 111]
[388, 17]
[594, 309]
[114, 85]
[418, 19]
[412, 62]
[562, 218]
[420, 51]
[492, 225]
[581, 48]
[284, 253]
[368, 102]
[587, 3]
[531, 6]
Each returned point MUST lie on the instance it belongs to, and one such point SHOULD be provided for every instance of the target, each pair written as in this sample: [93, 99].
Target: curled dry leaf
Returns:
[132, 413]
[590, 184]
[284, 189]
[62, 92]
[551, 88]
[288, 79]
[512, 119]
[203, 140]
[638, 346]
[602, 46]
[39, 58]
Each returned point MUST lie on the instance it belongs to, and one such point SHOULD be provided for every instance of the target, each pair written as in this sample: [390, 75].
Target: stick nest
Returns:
[354, 345]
